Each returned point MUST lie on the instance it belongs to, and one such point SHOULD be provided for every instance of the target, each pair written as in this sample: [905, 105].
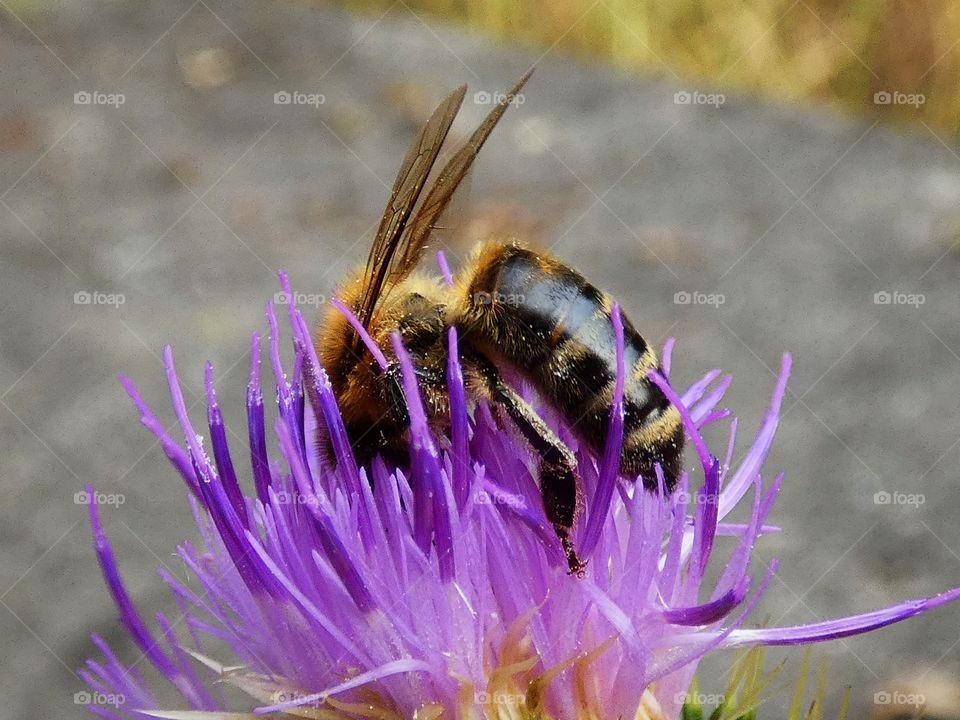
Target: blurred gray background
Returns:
[174, 209]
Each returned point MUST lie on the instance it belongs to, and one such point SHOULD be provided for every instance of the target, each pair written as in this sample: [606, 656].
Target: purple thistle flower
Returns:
[442, 591]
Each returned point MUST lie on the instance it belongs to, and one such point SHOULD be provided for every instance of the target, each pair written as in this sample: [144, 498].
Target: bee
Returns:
[515, 310]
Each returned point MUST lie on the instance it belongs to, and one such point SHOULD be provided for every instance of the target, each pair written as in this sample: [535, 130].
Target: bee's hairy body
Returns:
[520, 310]
[515, 310]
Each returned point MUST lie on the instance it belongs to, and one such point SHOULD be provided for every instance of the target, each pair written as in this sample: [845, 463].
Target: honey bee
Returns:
[514, 310]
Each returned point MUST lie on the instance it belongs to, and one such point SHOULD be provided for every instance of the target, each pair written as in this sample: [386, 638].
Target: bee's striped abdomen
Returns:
[546, 320]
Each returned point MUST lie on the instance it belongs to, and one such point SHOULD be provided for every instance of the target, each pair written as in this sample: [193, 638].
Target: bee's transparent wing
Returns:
[403, 197]
[401, 238]
[443, 188]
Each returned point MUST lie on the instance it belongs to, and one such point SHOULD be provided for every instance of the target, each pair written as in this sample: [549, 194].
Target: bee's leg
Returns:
[559, 487]
[558, 481]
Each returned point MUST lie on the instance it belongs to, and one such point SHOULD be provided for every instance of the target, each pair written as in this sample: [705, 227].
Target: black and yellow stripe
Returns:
[548, 322]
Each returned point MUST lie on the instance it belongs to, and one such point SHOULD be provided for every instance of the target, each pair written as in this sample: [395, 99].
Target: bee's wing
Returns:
[402, 239]
[441, 191]
[403, 196]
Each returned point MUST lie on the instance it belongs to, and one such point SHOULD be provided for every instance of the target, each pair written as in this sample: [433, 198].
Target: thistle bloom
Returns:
[442, 590]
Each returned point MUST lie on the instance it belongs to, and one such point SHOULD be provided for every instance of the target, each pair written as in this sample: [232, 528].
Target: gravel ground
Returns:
[779, 224]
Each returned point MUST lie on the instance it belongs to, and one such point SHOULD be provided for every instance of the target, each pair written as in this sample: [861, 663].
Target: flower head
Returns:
[441, 590]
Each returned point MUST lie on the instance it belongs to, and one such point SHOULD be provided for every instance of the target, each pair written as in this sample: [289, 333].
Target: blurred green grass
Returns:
[844, 52]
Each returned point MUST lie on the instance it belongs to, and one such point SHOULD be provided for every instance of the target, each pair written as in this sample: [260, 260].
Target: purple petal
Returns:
[129, 616]
[459, 422]
[256, 433]
[368, 341]
[429, 498]
[740, 482]
[444, 268]
[610, 465]
[221, 449]
[171, 449]
[709, 612]
[840, 628]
